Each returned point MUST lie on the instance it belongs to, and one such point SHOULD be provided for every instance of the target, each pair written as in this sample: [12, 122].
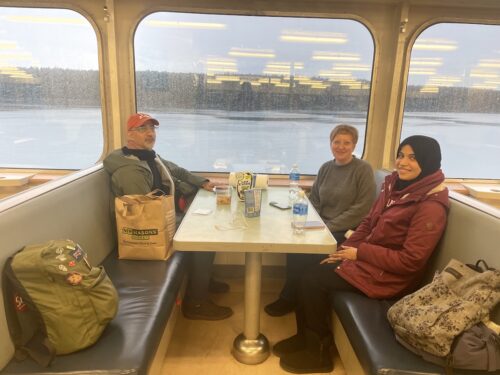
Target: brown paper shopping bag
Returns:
[145, 225]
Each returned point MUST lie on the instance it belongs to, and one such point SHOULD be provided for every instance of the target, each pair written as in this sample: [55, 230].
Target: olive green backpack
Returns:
[55, 301]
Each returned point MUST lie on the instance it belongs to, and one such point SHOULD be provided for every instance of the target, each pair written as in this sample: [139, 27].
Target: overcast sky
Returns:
[175, 42]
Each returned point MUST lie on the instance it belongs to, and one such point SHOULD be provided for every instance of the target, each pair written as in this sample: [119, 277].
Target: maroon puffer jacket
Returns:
[397, 237]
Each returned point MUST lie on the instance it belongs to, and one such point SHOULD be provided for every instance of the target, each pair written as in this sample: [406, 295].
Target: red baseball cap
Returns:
[139, 119]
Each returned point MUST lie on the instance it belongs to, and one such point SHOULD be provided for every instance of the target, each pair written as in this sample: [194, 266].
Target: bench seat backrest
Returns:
[76, 206]
[470, 235]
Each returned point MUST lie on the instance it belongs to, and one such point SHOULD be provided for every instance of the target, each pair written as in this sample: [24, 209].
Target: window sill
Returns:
[462, 194]
[17, 181]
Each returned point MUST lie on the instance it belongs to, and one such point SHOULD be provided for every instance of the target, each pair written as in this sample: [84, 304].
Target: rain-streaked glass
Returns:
[453, 95]
[251, 93]
[50, 108]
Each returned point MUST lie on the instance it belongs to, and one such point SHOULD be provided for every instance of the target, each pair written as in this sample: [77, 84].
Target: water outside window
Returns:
[50, 110]
[251, 93]
[453, 95]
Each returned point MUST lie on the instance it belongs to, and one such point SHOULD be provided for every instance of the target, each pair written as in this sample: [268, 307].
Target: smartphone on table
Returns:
[281, 206]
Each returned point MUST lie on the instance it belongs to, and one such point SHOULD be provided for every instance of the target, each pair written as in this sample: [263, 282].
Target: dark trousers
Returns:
[313, 309]
[199, 274]
[297, 265]
[199, 271]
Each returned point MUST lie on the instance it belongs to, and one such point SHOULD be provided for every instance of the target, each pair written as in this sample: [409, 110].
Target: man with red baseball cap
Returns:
[139, 119]
[137, 169]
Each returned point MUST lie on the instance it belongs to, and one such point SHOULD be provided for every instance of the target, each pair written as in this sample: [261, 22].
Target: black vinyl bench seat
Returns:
[147, 294]
[365, 323]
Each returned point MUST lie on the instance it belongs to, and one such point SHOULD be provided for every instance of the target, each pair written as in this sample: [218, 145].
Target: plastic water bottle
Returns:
[293, 181]
[299, 213]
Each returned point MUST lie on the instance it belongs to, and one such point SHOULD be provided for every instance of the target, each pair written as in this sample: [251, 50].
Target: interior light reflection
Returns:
[313, 37]
[245, 52]
[435, 45]
[335, 56]
[187, 25]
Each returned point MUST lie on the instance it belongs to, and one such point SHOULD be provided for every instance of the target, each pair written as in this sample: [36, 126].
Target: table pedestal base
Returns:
[251, 352]
[251, 347]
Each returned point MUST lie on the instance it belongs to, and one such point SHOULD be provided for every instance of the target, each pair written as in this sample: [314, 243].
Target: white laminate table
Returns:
[226, 229]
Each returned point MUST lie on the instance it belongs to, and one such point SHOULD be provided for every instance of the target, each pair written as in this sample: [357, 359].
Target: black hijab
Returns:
[428, 155]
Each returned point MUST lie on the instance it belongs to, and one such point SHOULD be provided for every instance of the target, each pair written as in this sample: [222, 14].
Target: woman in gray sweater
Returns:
[342, 193]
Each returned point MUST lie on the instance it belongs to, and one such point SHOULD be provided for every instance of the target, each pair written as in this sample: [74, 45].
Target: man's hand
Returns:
[209, 186]
[345, 252]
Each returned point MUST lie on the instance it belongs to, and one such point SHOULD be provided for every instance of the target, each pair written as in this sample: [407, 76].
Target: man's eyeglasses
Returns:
[145, 128]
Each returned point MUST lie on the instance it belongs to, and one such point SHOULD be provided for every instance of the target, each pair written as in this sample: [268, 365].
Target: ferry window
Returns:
[453, 95]
[50, 111]
[251, 93]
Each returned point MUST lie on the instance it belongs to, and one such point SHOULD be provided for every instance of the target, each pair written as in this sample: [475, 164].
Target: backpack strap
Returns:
[39, 349]
[481, 266]
[9, 302]
[28, 334]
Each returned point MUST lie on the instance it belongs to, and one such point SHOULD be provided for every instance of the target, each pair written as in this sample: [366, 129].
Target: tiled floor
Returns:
[204, 347]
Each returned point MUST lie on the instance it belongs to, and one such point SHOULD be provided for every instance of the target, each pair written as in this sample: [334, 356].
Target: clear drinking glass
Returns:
[223, 195]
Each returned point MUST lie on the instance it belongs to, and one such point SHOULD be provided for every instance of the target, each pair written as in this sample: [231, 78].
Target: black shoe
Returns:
[305, 362]
[280, 307]
[206, 310]
[315, 357]
[217, 286]
[289, 345]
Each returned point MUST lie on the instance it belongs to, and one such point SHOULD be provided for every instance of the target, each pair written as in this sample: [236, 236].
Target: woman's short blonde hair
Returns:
[345, 129]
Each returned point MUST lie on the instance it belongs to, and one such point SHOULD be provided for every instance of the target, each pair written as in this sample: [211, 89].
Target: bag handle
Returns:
[127, 202]
[481, 266]
[155, 192]
[485, 265]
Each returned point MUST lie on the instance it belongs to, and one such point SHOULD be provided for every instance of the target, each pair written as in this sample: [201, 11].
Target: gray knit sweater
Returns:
[343, 194]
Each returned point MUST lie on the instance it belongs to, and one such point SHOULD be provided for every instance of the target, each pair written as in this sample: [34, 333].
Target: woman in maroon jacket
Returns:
[384, 258]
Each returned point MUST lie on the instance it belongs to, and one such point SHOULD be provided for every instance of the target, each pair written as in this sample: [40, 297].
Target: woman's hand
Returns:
[346, 252]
